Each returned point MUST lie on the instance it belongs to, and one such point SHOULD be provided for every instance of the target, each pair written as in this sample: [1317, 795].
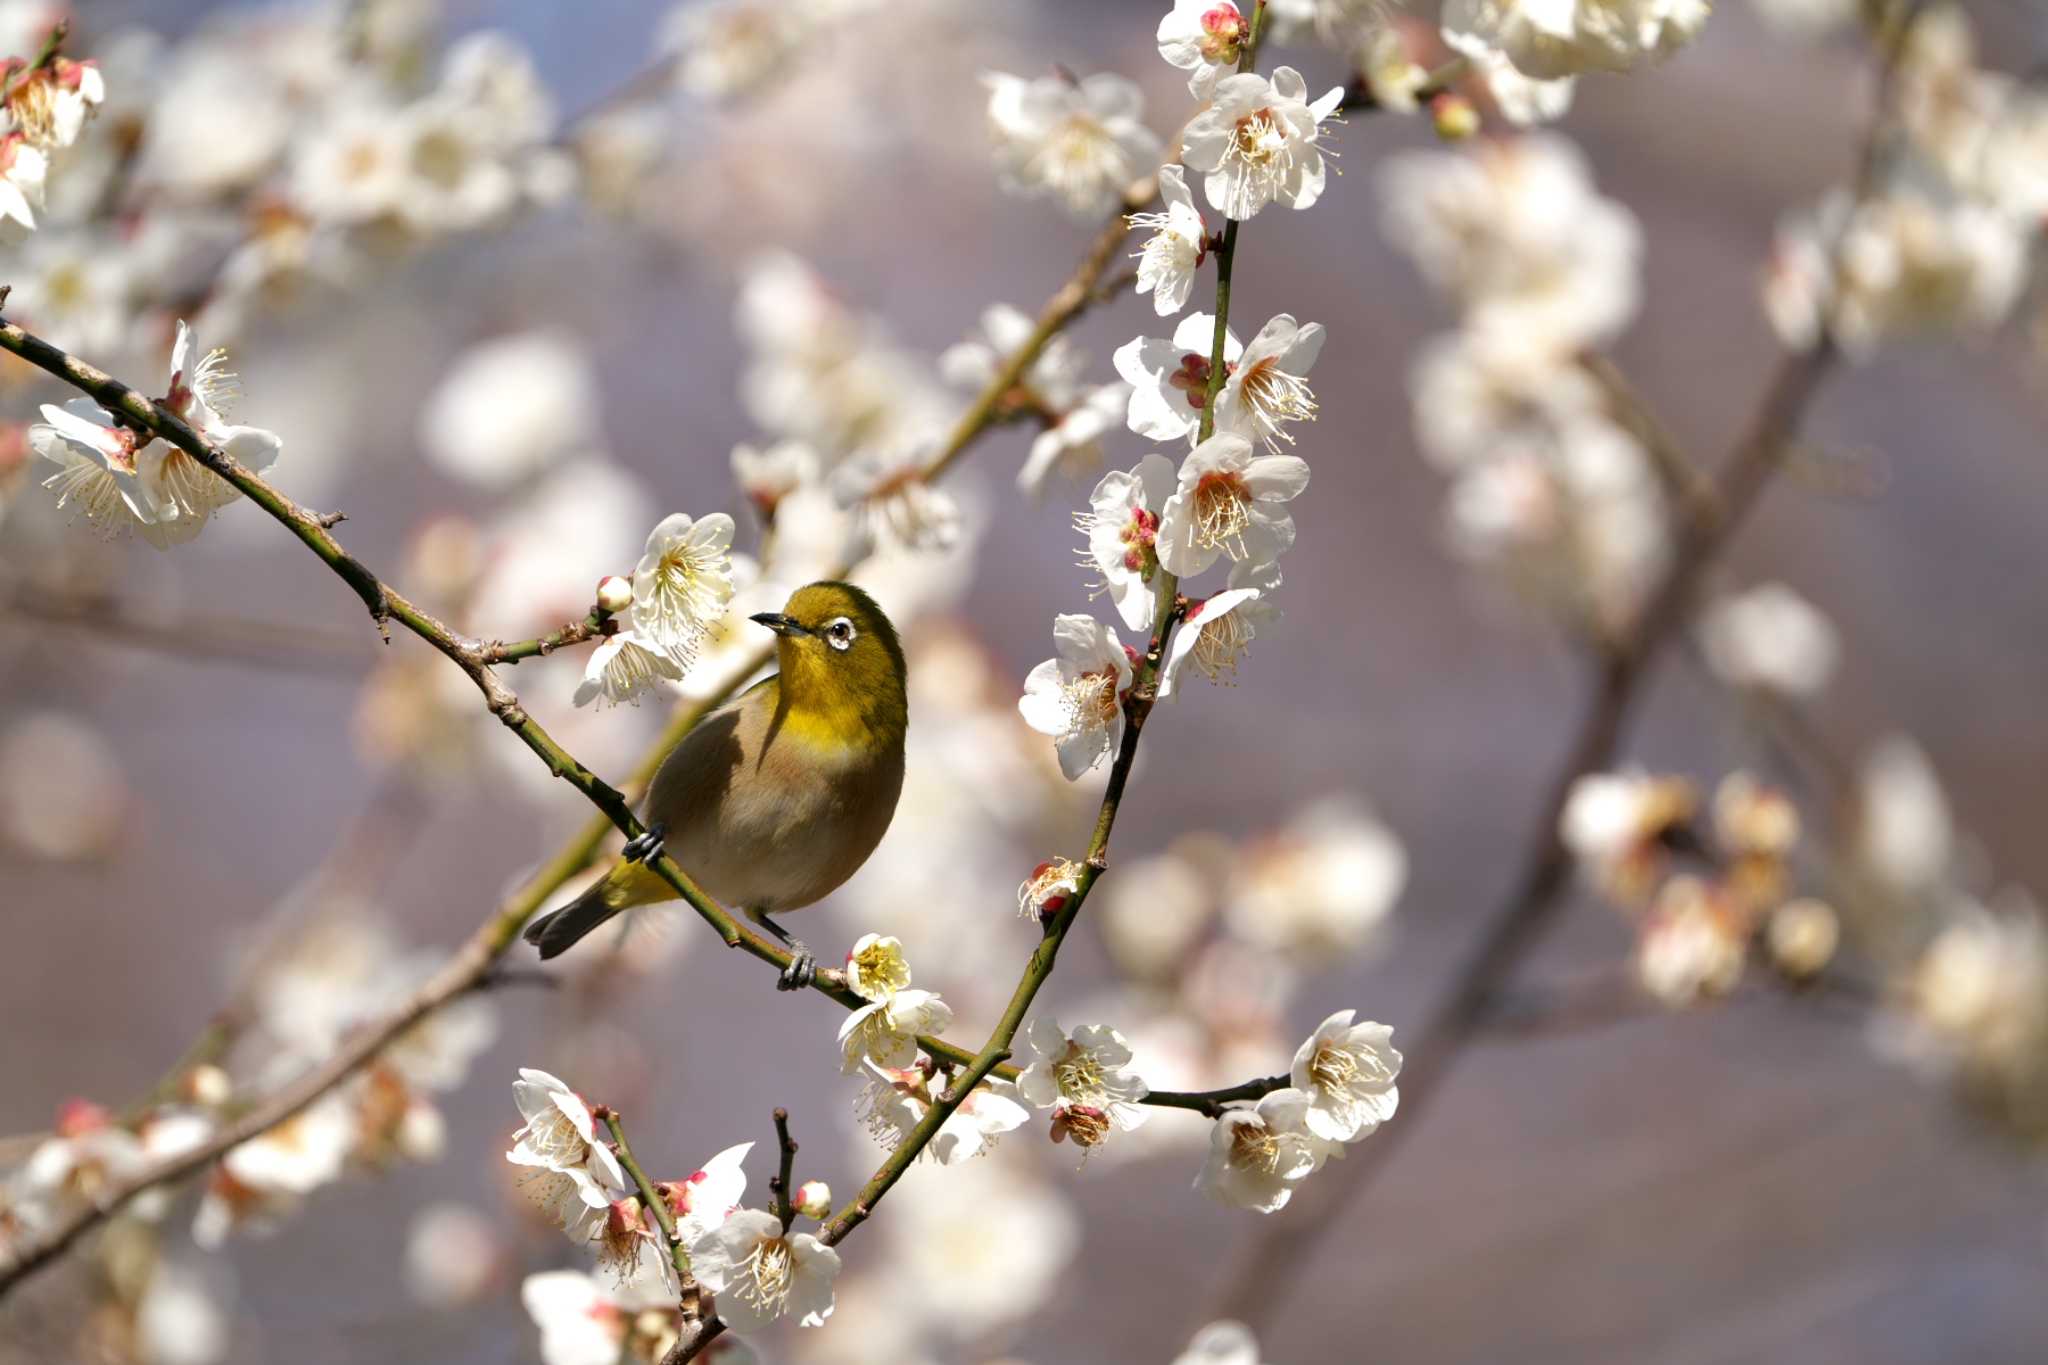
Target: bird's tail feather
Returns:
[627, 885]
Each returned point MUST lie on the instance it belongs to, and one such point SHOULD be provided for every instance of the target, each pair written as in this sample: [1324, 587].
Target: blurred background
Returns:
[217, 785]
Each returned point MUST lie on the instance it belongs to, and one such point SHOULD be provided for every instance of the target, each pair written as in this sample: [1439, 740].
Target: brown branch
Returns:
[781, 1201]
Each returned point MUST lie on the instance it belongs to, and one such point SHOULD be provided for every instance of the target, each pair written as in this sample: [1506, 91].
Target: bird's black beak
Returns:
[780, 624]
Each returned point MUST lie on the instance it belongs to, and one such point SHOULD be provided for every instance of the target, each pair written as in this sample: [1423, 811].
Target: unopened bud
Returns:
[1084, 1123]
[614, 594]
[206, 1086]
[1803, 935]
[77, 1117]
[813, 1199]
[1455, 117]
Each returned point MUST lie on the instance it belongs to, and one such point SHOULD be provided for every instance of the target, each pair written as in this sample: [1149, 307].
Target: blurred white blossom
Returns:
[1081, 142]
[1769, 638]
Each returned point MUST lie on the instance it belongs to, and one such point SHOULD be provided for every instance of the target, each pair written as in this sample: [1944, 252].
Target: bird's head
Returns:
[838, 652]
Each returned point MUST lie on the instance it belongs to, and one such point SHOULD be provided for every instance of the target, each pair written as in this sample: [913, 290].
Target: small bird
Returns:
[777, 797]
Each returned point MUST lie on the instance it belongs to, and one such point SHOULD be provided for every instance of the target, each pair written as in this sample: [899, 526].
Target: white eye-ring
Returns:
[839, 633]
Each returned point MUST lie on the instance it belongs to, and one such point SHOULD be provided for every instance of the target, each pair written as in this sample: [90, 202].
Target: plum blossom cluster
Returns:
[1229, 415]
[44, 105]
[303, 991]
[123, 479]
[1945, 236]
[1550, 490]
[1633, 832]
[749, 1258]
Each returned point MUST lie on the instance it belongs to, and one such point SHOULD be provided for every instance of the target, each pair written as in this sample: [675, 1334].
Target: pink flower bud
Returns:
[614, 594]
[76, 1117]
[813, 1199]
[1456, 118]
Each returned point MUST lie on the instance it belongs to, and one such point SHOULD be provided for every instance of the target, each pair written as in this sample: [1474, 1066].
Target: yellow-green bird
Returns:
[777, 797]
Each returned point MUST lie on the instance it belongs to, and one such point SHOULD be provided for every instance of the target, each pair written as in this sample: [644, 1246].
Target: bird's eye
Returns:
[839, 634]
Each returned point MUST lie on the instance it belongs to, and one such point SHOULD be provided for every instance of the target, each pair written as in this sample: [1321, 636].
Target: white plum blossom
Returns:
[96, 467]
[1515, 233]
[1218, 630]
[49, 104]
[1391, 75]
[1905, 832]
[768, 476]
[1771, 639]
[1692, 945]
[1324, 883]
[682, 583]
[1258, 1154]
[706, 1197]
[727, 48]
[270, 1175]
[1203, 38]
[1170, 378]
[1257, 143]
[896, 1099]
[579, 1323]
[1221, 1343]
[1083, 1071]
[1903, 262]
[69, 1172]
[759, 1273]
[22, 172]
[571, 1172]
[1046, 891]
[1547, 39]
[1073, 444]
[1168, 260]
[1077, 697]
[510, 407]
[203, 391]
[1229, 501]
[1522, 100]
[1268, 386]
[1080, 142]
[875, 968]
[886, 1030]
[1347, 1070]
[353, 168]
[1122, 526]
[1055, 376]
[623, 668]
[888, 486]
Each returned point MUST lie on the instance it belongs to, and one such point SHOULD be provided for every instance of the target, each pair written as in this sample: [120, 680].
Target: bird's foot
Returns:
[645, 848]
[801, 971]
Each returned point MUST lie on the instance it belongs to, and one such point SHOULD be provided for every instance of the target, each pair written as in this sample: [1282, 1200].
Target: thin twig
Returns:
[781, 1200]
[650, 1197]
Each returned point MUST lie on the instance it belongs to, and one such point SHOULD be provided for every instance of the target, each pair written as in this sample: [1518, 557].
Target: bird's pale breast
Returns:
[769, 814]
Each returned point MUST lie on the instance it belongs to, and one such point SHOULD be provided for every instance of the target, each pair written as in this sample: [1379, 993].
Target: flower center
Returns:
[767, 1275]
[1078, 1073]
[556, 1140]
[1091, 702]
[1334, 1068]
[1274, 396]
[34, 106]
[1220, 643]
[1222, 507]
[1258, 162]
[880, 971]
[1254, 1147]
